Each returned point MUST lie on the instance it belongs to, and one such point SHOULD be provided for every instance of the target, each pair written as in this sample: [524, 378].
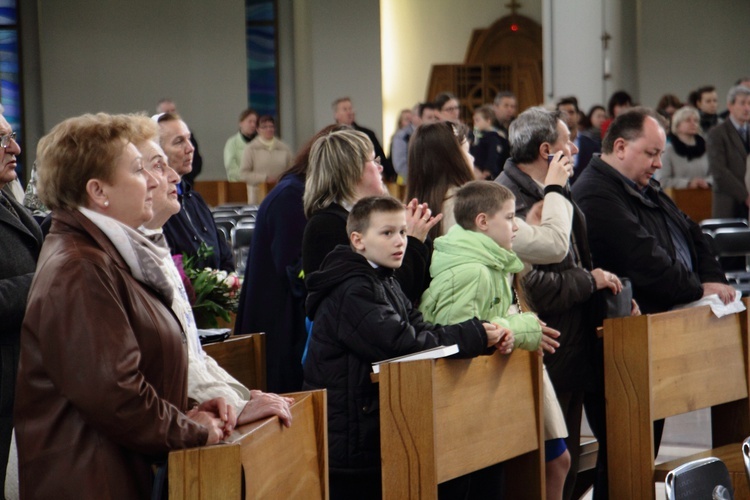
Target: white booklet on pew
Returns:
[441, 351]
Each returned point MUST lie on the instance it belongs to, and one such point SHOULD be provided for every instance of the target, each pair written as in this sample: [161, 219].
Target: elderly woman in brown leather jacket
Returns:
[103, 366]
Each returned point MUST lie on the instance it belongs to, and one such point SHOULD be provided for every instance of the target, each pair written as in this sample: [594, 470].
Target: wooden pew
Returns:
[263, 460]
[243, 357]
[217, 193]
[696, 203]
[441, 419]
[660, 365]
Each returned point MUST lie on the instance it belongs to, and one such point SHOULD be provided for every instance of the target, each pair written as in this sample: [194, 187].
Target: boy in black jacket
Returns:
[361, 316]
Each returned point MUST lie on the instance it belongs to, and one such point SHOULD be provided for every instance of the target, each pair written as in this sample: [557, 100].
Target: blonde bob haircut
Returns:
[337, 162]
[77, 150]
[145, 129]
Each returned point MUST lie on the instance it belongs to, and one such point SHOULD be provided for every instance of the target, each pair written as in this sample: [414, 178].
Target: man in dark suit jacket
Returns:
[343, 113]
[728, 146]
[20, 243]
[568, 106]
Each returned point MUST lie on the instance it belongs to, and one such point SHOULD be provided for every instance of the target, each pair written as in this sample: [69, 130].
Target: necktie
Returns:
[743, 134]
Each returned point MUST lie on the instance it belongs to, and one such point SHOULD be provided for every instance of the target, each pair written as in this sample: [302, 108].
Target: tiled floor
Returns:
[683, 435]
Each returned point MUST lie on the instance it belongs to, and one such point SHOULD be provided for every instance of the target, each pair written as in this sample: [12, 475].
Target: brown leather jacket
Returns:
[102, 375]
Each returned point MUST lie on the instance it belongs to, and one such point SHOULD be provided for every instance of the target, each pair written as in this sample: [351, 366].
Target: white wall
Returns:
[688, 43]
[339, 55]
[419, 33]
[122, 56]
[575, 61]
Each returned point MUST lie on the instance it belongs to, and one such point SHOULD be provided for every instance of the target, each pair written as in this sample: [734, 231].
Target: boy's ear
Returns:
[480, 221]
[356, 240]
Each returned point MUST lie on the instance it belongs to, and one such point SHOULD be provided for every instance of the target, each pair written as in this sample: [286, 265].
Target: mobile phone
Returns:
[550, 158]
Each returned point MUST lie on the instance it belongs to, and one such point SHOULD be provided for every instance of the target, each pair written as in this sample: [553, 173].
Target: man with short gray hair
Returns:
[728, 146]
[562, 293]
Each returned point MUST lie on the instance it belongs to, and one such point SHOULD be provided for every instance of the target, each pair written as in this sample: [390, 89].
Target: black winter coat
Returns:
[629, 236]
[194, 224]
[563, 294]
[327, 228]
[361, 316]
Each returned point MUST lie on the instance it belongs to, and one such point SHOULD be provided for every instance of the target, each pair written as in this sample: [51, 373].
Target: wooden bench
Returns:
[696, 203]
[243, 357]
[263, 460]
[441, 419]
[220, 192]
[660, 365]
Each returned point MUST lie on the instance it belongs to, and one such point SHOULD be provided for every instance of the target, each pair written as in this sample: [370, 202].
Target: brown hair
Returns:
[479, 197]
[77, 150]
[359, 218]
[436, 164]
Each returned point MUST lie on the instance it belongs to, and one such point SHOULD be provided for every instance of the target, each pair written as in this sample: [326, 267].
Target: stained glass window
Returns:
[262, 60]
[10, 71]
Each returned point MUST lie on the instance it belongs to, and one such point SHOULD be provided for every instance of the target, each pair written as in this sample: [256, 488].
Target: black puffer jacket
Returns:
[361, 316]
[563, 295]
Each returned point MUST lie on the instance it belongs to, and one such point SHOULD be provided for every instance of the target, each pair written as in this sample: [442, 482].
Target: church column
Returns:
[589, 49]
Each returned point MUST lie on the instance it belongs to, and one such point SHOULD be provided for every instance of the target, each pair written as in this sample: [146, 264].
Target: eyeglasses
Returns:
[451, 108]
[5, 139]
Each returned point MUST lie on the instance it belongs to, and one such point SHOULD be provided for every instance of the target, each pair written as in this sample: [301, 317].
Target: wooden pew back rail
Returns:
[666, 364]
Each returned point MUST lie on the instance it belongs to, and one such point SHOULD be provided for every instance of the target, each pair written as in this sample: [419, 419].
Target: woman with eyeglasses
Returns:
[102, 379]
[449, 109]
[343, 169]
[265, 158]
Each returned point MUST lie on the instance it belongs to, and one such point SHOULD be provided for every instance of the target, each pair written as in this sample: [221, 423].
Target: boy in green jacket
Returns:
[471, 268]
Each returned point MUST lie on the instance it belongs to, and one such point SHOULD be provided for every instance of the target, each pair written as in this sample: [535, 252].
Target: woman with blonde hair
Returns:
[103, 365]
[343, 169]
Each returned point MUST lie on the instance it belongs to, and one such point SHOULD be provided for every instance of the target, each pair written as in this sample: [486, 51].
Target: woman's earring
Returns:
[106, 203]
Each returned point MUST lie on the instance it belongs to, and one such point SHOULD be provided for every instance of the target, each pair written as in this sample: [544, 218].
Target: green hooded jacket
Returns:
[470, 280]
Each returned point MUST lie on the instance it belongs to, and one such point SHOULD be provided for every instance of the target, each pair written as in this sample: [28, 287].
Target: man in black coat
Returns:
[636, 231]
[193, 224]
[20, 244]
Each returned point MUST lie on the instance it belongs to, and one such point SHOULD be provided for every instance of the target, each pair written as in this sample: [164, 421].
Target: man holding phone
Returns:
[562, 293]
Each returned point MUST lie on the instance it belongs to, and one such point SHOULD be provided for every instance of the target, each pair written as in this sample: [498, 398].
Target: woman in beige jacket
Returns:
[264, 159]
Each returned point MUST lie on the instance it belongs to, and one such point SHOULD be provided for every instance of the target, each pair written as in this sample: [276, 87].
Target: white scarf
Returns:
[150, 262]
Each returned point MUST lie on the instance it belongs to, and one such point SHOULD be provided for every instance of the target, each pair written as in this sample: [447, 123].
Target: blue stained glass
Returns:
[10, 95]
[259, 10]
[8, 12]
[261, 65]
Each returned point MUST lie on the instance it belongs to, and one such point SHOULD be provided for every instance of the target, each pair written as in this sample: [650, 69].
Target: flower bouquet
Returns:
[213, 293]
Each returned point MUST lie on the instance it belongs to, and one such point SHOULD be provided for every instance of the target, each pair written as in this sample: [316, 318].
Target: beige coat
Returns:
[261, 164]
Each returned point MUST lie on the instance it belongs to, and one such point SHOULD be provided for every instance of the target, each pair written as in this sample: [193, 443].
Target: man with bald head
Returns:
[635, 230]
